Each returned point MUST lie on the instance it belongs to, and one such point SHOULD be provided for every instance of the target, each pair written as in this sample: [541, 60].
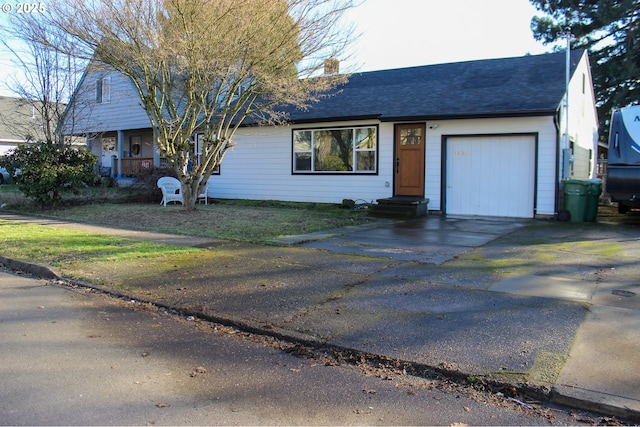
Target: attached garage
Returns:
[490, 175]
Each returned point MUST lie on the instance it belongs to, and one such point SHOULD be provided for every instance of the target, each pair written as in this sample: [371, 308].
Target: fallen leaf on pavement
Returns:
[199, 370]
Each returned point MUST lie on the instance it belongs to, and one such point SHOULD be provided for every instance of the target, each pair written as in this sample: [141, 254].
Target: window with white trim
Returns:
[103, 90]
[337, 150]
[199, 143]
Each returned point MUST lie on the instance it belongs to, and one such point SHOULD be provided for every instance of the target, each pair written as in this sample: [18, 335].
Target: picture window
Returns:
[337, 150]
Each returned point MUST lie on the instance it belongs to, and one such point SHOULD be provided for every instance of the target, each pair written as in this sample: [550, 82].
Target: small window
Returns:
[412, 136]
[340, 150]
[103, 90]
[199, 144]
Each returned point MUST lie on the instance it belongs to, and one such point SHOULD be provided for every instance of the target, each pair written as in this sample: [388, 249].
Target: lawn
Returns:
[252, 221]
[59, 247]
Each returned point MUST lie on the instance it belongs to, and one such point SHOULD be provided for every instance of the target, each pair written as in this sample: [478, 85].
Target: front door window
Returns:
[410, 152]
[411, 136]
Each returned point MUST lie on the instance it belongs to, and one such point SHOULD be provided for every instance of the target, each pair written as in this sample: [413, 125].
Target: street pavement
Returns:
[550, 307]
[72, 356]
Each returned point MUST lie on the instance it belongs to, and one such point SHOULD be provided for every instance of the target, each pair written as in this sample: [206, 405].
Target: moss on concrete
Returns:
[546, 368]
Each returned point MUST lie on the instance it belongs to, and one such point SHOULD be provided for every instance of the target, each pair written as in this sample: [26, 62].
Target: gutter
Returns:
[335, 119]
[426, 117]
[513, 114]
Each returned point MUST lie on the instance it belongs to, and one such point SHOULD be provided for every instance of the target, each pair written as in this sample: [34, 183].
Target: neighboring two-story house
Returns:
[475, 138]
[20, 123]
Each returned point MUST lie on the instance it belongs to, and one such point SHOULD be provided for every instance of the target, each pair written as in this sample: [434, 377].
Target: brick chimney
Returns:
[331, 66]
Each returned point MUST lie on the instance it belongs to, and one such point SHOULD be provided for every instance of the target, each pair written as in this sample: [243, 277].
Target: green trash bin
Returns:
[593, 197]
[575, 199]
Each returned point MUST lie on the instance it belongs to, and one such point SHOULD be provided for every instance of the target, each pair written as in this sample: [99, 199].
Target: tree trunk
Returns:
[189, 196]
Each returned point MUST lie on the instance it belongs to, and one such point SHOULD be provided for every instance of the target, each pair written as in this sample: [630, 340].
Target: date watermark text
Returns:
[23, 7]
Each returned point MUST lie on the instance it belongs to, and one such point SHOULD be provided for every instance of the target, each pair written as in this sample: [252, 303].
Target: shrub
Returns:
[44, 171]
[148, 178]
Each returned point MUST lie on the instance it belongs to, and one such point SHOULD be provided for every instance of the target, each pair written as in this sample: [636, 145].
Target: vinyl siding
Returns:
[583, 121]
[260, 167]
[122, 112]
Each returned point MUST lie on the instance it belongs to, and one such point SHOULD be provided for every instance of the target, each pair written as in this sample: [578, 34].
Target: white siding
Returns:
[260, 167]
[583, 120]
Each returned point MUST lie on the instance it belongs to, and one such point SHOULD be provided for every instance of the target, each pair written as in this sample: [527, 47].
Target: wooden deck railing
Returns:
[134, 166]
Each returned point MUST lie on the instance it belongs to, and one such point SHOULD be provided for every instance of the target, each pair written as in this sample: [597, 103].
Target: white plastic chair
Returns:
[205, 194]
[171, 190]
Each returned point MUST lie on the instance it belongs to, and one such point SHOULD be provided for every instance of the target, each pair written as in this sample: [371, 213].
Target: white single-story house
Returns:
[475, 138]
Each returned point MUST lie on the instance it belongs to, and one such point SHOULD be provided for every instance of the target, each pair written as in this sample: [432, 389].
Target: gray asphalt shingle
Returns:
[528, 85]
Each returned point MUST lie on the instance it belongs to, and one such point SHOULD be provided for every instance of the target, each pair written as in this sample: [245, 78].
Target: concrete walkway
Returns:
[547, 306]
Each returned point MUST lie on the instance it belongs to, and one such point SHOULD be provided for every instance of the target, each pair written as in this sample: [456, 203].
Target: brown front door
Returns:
[410, 160]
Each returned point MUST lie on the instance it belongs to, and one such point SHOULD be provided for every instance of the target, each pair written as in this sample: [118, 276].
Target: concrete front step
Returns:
[400, 207]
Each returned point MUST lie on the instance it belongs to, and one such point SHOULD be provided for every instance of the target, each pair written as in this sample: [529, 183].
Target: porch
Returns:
[132, 166]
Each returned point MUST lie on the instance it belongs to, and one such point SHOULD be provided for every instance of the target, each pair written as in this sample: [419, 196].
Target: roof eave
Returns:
[415, 118]
[433, 117]
[335, 119]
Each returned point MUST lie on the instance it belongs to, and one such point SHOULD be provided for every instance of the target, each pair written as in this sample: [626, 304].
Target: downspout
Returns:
[564, 151]
[565, 143]
[556, 119]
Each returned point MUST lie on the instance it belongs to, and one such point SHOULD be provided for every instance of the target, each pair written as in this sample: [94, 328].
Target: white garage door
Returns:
[490, 176]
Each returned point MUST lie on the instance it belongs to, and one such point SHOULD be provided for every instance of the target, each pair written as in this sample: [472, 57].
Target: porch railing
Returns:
[135, 166]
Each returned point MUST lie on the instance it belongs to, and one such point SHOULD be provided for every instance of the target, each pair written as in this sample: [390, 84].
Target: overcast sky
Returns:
[403, 33]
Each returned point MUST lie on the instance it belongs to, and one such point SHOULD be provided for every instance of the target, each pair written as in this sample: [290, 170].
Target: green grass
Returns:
[243, 220]
[57, 246]
[222, 220]
[117, 262]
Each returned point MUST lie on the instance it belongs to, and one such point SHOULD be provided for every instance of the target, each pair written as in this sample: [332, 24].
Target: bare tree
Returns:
[48, 76]
[49, 166]
[208, 66]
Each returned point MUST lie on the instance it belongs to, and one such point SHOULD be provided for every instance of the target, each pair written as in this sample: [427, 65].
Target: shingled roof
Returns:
[17, 120]
[509, 87]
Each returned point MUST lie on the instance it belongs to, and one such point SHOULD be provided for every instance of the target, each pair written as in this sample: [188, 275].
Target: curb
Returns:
[37, 270]
[353, 356]
[560, 398]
